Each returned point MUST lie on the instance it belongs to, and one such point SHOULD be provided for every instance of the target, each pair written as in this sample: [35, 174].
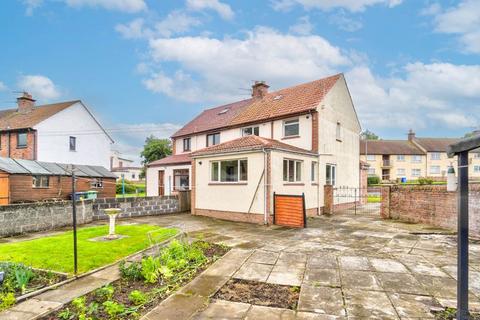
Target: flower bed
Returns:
[19, 279]
[144, 284]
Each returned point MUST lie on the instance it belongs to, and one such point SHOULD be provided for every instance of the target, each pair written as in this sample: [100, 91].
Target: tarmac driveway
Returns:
[355, 267]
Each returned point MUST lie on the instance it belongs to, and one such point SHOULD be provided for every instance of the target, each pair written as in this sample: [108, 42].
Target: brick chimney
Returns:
[259, 89]
[411, 135]
[25, 103]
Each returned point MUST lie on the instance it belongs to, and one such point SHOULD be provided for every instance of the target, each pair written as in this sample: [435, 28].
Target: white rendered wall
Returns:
[152, 178]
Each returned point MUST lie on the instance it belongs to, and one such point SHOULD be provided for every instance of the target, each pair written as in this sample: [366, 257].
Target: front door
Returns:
[161, 183]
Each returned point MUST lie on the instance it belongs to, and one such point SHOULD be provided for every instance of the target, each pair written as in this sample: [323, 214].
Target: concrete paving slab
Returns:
[268, 313]
[35, 306]
[229, 264]
[204, 285]
[323, 261]
[401, 283]
[265, 257]
[365, 280]
[16, 315]
[413, 306]
[354, 263]
[325, 300]
[283, 274]
[221, 309]
[439, 287]
[388, 265]
[177, 306]
[316, 316]
[73, 289]
[254, 271]
[425, 268]
[322, 277]
[362, 304]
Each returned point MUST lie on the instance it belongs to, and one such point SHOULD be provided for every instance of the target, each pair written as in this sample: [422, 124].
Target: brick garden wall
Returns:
[21, 218]
[432, 205]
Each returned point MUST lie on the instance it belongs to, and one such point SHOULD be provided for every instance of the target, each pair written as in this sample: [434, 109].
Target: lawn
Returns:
[56, 252]
[373, 199]
[132, 195]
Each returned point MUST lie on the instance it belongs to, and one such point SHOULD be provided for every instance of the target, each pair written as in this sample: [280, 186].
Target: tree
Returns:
[368, 135]
[155, 149]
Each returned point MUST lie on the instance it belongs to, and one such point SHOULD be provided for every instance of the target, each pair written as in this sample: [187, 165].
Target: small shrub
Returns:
[113, 309]
[132, 271]
[23, 275]
[150, 269]
[7, 300]
[66, 314]
[425, 181]
[105, 293]
[137, 297]
[373, 180]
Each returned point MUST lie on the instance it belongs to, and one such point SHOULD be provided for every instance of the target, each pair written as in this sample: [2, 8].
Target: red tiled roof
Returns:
[389, 147]
[248, 143]
[294, 100]
[435, 144]
[12, 119]
[182, 158]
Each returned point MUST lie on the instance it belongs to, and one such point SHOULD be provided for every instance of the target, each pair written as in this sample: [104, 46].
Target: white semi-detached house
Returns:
[64, 132]
[236, 156]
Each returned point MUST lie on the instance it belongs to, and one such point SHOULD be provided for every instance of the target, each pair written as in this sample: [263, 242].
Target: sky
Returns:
[149, 66]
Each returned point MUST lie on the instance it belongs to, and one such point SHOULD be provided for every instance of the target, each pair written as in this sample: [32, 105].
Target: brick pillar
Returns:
[328, 199]
[385, 204]
[363, 182]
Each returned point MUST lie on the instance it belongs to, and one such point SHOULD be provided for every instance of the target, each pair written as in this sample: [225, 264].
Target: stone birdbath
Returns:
[112, 215]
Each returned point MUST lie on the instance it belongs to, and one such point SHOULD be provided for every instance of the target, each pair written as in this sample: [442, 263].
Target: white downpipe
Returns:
[265, 213]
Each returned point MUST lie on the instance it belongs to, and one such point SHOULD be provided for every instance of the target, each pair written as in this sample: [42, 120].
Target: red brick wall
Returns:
[9, 149]
[432, 205]
[59, 188]
[327, 199]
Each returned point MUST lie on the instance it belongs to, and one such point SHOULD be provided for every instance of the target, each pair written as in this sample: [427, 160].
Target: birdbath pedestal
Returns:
[112, 215]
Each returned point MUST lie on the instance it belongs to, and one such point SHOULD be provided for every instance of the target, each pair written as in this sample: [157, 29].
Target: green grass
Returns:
[374, 199]
[56, 252]
[132, 195]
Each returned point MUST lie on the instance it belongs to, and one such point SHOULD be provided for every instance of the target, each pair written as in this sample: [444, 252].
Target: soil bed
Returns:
[450, 314]
[121, 290]
[260, 293]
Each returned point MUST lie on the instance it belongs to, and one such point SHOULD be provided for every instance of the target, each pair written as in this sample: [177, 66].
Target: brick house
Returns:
[60, 132]
[292, 141]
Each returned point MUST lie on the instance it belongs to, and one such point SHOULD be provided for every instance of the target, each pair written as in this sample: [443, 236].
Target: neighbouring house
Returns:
[65, 132]
[29, 180]
[124, 168]
[236, 156]
[413, 158]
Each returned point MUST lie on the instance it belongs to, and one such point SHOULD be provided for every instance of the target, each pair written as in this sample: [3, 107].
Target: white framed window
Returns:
[476, 169]
[292, 170]
[435, 156]
[40, 181]
[400, 157]
[314, 171]
[229, 170]
[331, 174]
[291, 128]
[338, 132]
[370, 157]
[401, 172]
[476, 155]
[416, 172]
[213, 139]
[434, 169]
[371, 171]
[96, 183]
[416, 158]
[248, 131]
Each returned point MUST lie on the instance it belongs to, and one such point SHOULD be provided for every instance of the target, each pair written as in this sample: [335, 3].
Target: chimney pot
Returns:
[259, 89]
[411, 135]
[25, 103]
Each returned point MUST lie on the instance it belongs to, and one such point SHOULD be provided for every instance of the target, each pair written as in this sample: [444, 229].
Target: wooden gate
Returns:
[289, 210]
[4, 189]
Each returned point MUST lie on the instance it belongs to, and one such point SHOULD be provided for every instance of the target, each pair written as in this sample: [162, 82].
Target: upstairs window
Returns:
[248, 131]
[416, 158]
[331, 174]
[229, 171]
[370, 157]
[291, 128]
[292, 170]
[338, 132]
[21, 140]
[40, 181]
[73, 144]
[400, 157]
[435, 156]
[186, 144]
[213, 139]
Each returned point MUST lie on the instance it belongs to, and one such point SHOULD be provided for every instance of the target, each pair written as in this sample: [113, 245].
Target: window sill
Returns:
[21, 147]
[228, 183]
[291, 137]
[41, 187]
[293, 184]
[314, 183]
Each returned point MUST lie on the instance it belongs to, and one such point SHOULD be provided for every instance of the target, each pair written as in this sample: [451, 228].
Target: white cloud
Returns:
[217, 70]
[129, 6]
[344, 22]
[427, 95]
[176, 22]
[463, 20]
[3, 87]
[302, 27]
[351, 5]
[223, 9]
[41, 87]
[31, 6]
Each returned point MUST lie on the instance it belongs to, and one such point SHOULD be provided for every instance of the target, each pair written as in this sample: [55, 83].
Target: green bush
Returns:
[137, 297]
[373, 180]
[423, 181]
